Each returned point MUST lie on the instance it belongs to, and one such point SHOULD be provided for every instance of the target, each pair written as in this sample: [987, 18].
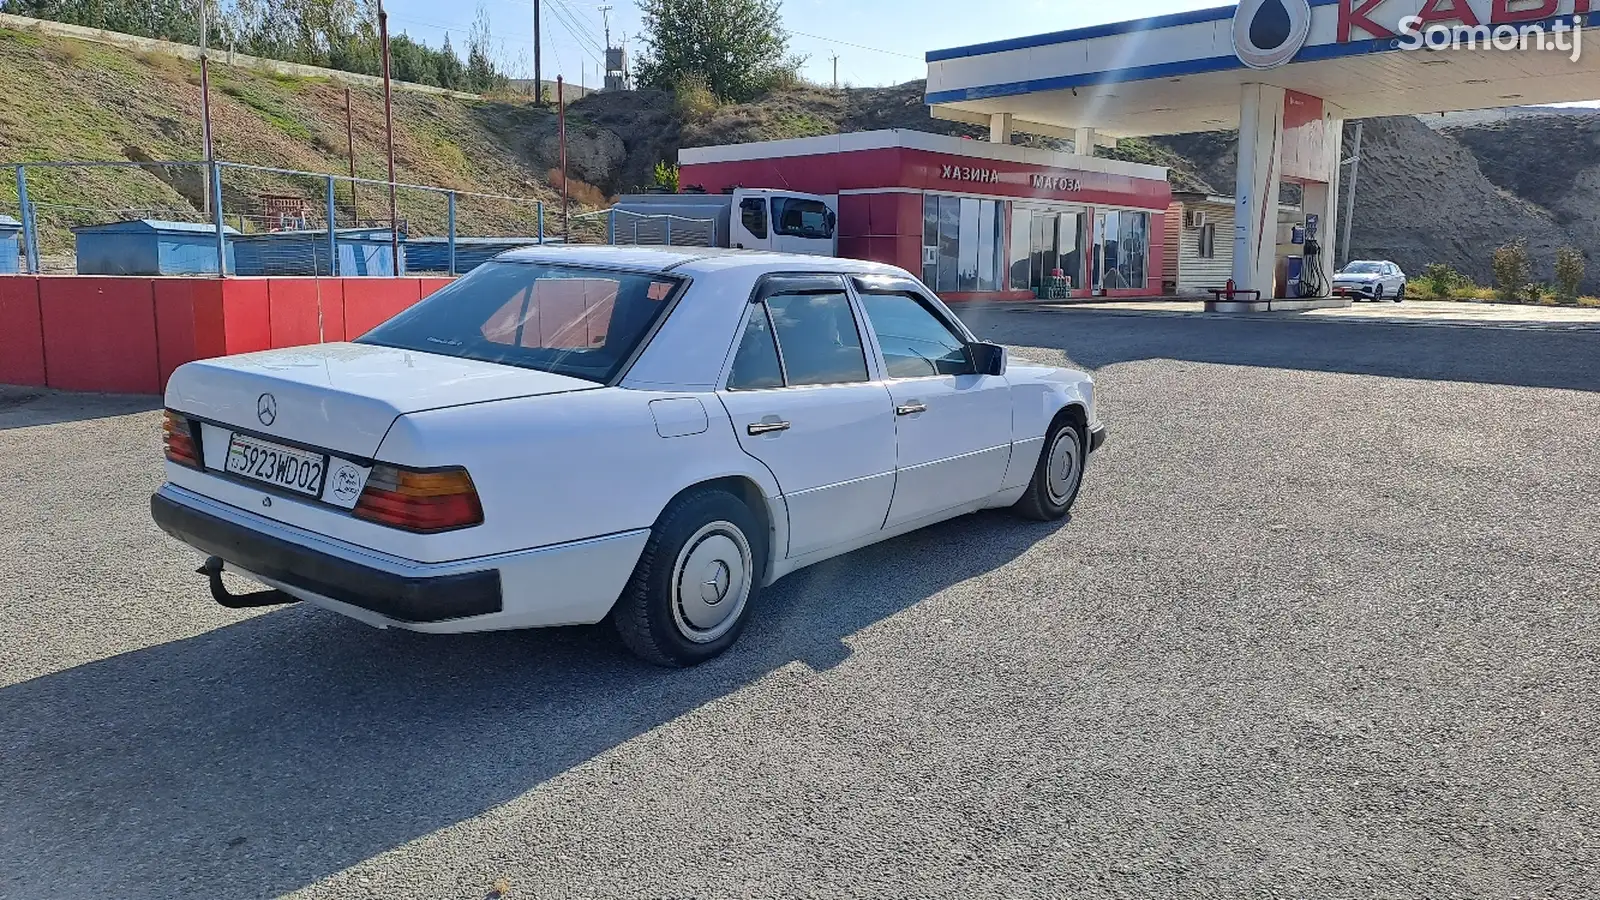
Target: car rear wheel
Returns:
[1058, 474]
[1400, 294]
[693, 585]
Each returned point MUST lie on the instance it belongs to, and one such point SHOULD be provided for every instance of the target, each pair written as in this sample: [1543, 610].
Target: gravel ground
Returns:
[1323, 624]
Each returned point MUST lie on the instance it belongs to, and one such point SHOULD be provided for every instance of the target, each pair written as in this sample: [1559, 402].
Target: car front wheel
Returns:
[692, 588]
[1057, 476]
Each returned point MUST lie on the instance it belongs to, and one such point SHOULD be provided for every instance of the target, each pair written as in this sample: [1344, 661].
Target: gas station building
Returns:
[1286, 74]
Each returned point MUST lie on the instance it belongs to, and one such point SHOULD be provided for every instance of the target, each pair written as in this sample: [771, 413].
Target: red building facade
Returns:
[976, 220]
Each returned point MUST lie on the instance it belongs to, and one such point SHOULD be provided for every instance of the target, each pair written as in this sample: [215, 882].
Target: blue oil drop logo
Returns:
[1268, 33]
[1269, 27]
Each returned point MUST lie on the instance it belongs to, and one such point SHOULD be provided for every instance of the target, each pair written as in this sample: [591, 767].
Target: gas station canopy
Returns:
[1184, 72]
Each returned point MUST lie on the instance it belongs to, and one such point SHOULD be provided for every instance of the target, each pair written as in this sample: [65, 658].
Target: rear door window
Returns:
[756, 366]
[818, 338]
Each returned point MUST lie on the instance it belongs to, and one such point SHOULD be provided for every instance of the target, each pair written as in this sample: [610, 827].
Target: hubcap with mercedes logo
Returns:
[712, 581]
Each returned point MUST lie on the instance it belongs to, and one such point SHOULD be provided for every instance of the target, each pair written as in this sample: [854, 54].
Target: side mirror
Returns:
[989, 359]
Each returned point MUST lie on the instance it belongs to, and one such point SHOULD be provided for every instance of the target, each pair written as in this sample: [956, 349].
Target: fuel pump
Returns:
[1312, 281]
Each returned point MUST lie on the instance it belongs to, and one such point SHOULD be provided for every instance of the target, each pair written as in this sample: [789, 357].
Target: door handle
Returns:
[907, 409]
[756, 428]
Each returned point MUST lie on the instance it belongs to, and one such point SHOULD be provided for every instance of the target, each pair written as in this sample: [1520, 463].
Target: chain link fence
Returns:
[166, 217]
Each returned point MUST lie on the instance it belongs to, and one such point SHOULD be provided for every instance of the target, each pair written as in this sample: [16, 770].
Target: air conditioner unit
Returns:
[1194, 218]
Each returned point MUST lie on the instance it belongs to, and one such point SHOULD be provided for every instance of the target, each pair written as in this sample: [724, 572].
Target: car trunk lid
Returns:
[343, 397]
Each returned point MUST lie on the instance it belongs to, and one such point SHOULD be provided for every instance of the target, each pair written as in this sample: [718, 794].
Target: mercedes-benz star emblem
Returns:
[267, 409]
[714, 589]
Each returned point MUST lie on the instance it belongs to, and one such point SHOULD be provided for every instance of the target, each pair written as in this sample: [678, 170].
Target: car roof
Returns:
[693, 260]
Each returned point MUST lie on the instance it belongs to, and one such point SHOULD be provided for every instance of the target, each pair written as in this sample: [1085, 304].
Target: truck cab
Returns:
[743, 218]
[784, 221]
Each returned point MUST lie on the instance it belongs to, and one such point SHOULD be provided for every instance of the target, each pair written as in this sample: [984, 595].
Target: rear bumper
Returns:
[403, 598]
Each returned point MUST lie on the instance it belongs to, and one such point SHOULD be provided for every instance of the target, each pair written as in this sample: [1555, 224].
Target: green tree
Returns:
[411, 61]
[739, 47]
[452, 72]
[1569, 273]
[481, 74]
[173, 20]
[1512, 270]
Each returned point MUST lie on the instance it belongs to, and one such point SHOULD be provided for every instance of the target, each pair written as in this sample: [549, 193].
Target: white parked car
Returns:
[1374, 279]
[649, 434]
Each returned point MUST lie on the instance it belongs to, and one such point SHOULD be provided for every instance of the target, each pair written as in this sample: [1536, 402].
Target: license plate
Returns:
[291, 469]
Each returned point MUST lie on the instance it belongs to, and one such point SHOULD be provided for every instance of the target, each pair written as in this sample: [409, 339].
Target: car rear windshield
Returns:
[1362, 268]
[569, 320]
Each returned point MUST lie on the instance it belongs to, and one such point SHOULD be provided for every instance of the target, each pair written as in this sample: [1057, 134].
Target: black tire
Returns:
[1400, 294]
[1377, 294]
[1041, 501]
[657, 622]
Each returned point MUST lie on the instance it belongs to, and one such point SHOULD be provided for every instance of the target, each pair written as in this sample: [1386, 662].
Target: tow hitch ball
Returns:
[212, 569]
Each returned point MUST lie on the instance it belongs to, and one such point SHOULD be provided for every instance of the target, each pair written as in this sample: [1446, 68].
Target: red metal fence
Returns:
[126, 335]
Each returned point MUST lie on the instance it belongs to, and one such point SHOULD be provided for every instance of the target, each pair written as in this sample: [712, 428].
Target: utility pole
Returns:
[836, 71]
[1350, 197]
[605, 16]
[388, 127]
[205, 108]
[350, 150]
[561, 126]
[538, 82]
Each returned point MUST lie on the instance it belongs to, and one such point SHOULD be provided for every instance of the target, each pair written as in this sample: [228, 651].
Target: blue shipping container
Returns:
[10, 245]
[149, 247]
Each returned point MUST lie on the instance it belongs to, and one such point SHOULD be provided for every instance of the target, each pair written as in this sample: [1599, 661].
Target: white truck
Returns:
[745, 218]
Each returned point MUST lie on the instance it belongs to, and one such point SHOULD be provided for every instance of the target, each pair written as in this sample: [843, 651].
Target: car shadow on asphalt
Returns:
[263, 756]
[24, 407]
[1475, 353]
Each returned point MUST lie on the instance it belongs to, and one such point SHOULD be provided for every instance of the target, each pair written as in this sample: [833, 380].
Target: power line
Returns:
[857, 46]
[575, 27]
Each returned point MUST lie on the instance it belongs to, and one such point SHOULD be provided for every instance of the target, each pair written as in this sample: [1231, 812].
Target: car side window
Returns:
[915, 342]
[753, 215]
[817, 338]
[756, 366]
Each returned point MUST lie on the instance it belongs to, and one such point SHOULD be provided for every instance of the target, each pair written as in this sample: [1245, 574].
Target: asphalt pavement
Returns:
[1323, 624]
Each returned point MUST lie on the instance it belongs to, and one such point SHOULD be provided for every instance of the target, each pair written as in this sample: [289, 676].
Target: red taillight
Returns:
[438, 500]
[179, 441]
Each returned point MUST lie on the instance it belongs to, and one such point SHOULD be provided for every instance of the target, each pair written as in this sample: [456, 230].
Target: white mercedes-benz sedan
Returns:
[573, 434]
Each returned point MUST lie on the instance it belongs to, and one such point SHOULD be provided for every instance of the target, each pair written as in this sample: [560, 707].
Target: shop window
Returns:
[1132, 248]
[1114, 276]
[963, 243]
[989, 238]
[1208, 241]
[1020, 254]
[753, 216]
[949, 243]
[1069, 257]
